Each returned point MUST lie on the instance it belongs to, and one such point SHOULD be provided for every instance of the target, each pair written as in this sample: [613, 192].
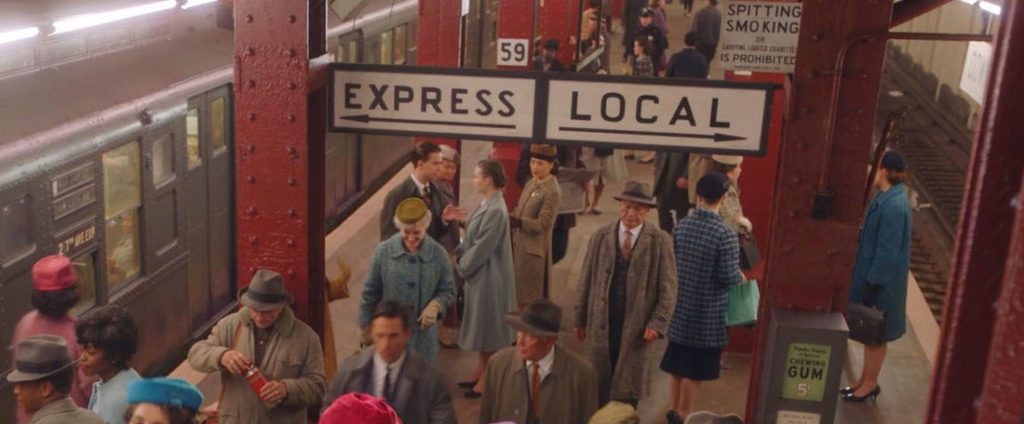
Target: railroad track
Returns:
[937, 158]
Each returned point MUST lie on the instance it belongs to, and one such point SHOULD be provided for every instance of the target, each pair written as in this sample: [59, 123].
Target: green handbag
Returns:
[743, 300]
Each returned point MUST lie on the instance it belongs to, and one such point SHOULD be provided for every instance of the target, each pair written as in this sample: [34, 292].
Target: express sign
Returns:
[692, 115]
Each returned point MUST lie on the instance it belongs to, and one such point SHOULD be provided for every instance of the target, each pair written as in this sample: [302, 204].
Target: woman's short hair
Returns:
[493, 169]
[423, 222]
[896, 177]
[175, 414]
[112, 329]
[644, 43]
[721, 167]
[56, 303]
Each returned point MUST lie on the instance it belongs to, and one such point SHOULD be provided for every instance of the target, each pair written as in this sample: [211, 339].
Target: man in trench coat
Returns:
[265, 334]
[626, 296]
[536, 381]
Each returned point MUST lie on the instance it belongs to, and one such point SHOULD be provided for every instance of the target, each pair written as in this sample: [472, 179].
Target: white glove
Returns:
[745, 224]
[429, 315]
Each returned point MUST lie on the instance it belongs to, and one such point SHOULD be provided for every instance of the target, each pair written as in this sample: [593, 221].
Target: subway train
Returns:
[124, 163]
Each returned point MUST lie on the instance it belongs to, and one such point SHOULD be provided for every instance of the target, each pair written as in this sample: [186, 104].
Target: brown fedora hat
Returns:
[541, 318]
[38, 357]
[637, 192]
[265, 292]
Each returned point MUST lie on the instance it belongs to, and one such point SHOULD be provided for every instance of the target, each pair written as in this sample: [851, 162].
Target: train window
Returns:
[353, 51]
[399, 50]
[386, 47]
[218, 136]
[85, 270]
[163, 160]
[122, 244]
[192, 138]
[121, 190]
[16, 229]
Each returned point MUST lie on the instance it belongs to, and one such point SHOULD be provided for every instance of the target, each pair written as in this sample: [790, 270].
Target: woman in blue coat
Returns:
[485, 261]
[414, 270]
[880, 272]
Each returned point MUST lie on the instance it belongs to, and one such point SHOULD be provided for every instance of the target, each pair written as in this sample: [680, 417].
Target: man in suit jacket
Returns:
[387, 369]
[426, 166]
[537, 381]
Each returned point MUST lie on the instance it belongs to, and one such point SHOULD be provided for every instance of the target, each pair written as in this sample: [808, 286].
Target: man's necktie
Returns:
[387, 383]
[535, 389]
[426, 195]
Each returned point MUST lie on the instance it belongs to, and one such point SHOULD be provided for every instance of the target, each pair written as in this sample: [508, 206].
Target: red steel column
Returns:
[809, 260]
[980, 365]
[515, 20]
[440, 45]
[559, 20]
[280, 148]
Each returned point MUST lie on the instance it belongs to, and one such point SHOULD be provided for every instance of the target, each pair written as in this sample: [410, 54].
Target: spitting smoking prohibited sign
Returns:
[759, 36]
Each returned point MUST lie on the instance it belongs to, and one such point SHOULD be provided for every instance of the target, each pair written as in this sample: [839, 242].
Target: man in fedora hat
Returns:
[619, 313]
[537, 381]
[548, 59]
[42, 375]
[265, 335]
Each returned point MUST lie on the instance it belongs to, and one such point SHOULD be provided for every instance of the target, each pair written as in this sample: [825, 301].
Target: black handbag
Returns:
[866, 323]
[749, 255]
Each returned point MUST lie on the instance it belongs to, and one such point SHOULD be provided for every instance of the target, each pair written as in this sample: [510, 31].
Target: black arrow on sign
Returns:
[716, 137]
[367, 118]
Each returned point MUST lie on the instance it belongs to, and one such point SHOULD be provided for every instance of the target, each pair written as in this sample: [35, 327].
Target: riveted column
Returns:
[516, 20]
[440, 45]
[279, 122]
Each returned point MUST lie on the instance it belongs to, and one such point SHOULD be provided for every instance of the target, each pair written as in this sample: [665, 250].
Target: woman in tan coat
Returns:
[531, 223]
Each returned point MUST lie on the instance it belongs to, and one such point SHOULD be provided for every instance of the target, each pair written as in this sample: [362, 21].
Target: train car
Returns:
[124, 162]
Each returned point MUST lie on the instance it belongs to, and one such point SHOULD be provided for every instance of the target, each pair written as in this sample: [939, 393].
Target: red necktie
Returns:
[535, 389]
[627, 244]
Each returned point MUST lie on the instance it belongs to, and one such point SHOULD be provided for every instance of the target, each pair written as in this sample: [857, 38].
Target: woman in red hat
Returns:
[54, 292]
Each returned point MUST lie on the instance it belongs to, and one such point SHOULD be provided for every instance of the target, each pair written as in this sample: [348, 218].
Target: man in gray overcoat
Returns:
[536, 381]
[42, 376]
[264, 334]
[391, 371]
[626, 296]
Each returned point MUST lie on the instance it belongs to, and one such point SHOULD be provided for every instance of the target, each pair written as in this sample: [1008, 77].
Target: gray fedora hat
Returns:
[541, 318]
[265, 292]
[637, 192]
[38, 357]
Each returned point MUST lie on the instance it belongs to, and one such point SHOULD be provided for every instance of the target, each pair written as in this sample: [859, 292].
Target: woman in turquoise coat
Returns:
[414, 270]
[880, 272]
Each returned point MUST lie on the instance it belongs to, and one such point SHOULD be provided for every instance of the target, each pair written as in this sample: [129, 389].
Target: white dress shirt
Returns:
[634, 233]
[544, 364]
[379, 370]
[419, 185]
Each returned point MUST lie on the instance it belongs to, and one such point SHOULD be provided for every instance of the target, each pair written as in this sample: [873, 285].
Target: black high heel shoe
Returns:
[847, 390]
[872, 394]
[467, 384]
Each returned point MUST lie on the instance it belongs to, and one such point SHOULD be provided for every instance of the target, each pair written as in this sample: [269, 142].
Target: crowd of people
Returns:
[486, 273]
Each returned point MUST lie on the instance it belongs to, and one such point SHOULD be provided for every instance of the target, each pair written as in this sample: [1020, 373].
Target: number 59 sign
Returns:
[513, 51]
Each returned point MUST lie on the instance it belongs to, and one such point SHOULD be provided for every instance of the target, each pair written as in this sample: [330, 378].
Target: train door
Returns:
[162, 183]
[209, 200]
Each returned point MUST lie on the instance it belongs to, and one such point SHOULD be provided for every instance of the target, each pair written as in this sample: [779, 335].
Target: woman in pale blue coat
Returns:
[412, 269]
[883, 261]
[485, 261]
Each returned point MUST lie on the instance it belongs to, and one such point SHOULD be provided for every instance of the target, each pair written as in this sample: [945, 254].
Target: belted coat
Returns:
[651, 290]
[883, 258]
[531, 243]
[293, 356]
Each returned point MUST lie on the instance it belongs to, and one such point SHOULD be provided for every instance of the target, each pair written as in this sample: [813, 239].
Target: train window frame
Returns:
[193, 162]
[387, 47]
[162, 159]
[120, 212]
[218, 147]
[400, 42]
[8, 254]
[86, 302]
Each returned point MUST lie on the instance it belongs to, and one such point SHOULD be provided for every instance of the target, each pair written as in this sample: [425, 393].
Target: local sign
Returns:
[759, 36]
[685, 114]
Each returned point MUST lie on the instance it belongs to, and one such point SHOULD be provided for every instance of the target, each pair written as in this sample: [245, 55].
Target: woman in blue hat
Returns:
[163, 401]
[880, 272]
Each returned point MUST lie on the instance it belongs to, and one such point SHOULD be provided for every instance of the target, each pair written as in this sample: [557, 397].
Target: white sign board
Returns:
[699, 118]
[424, 103]
[513, 51]
[797, 417]
[730, 117]
[976, 69]
[759, 36]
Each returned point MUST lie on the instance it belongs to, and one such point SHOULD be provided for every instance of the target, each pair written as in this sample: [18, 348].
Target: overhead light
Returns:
[93, 19]
[193, 3]
[18, 34]
[970, 2]
[992, 8]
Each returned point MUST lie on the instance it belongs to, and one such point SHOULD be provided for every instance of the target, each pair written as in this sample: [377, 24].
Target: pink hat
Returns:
[53, 273]
[359, 408]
